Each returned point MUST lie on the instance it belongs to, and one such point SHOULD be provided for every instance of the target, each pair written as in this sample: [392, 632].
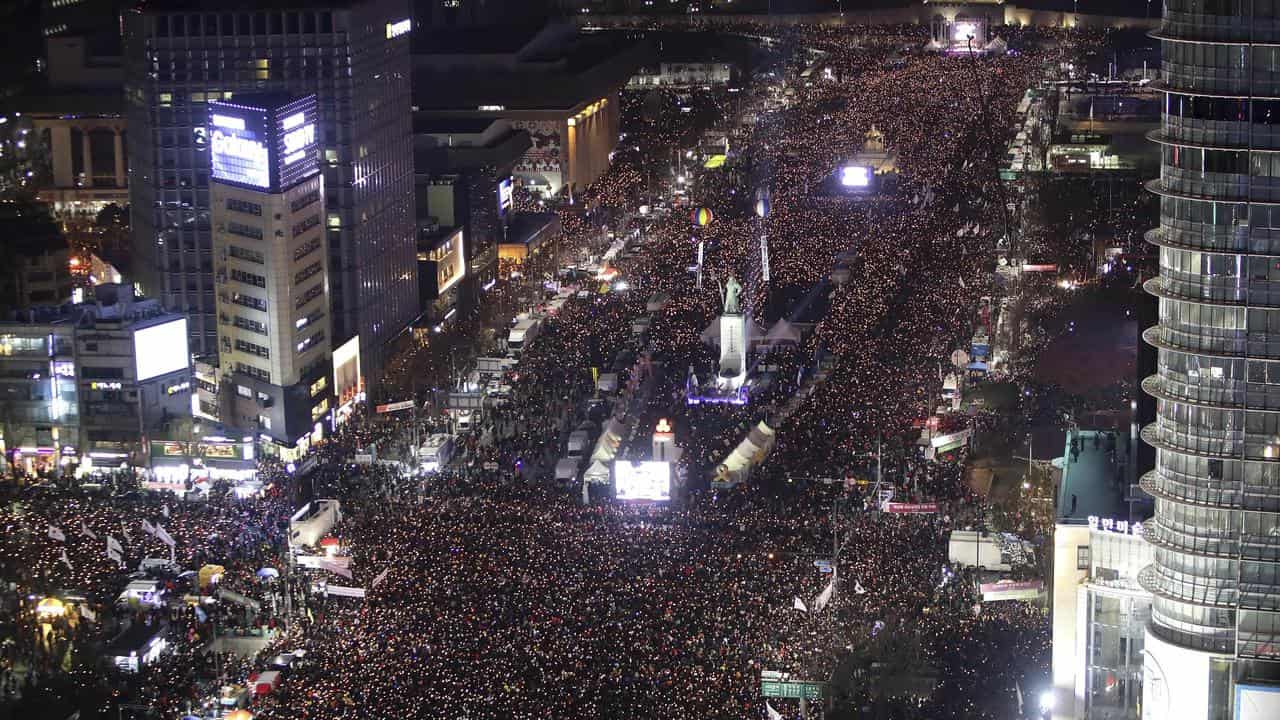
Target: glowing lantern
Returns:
[50, 607]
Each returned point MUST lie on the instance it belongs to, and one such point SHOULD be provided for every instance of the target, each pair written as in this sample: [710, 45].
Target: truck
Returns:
[436, 452]
[577, 445]
[522, 335]
[490, 366]
[997, 552]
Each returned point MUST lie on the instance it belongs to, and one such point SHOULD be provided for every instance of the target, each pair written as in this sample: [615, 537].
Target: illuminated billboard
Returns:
[161, 349]
[644, 480]
[263, 142]
[238, 149]
[348, 383]
[855, 176]
[504, 196]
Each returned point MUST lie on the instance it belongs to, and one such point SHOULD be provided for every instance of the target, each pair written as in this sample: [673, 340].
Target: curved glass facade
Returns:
[1215, 578]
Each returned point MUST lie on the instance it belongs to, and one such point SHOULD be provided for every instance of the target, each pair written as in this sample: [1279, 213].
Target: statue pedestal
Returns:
[733, 352]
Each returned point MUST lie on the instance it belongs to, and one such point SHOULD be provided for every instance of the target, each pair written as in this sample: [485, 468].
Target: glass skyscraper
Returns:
[354, 57]
[1214, 633]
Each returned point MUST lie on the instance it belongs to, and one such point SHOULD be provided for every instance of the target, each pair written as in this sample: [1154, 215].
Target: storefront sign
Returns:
[1123, 527]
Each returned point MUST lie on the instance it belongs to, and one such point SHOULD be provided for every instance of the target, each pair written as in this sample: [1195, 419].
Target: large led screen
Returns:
[855, 176]
[238, 146]
[161, 349]
[646, 480]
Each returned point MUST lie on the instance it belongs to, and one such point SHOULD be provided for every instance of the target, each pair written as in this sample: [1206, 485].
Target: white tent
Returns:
[609, 442]
[597, 473]
[711, 336]
[782, 332]
[752, 451]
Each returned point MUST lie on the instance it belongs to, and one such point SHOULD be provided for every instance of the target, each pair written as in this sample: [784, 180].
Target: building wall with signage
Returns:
[83, 380]
[343, 54]
[1100, 612]
[271, 266]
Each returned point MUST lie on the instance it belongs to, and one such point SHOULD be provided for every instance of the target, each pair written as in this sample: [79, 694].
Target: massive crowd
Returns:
[506, 599]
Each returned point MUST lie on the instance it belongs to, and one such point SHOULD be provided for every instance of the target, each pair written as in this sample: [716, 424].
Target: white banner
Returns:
[88, 614]
[85, 531]
[825, 596]
[342, 591]
[313, 561]
[115, 556]
[114, 544]
[381, 576]
[163, 536]
[335, 568]
[56, 534]
[147, 527]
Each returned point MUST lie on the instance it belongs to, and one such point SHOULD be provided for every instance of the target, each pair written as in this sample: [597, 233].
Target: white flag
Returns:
[114, 544]
[88, 614]
[125, 532]
[381, 576]
[56, 534]
[824, 597]
[163, 535]
[165, 510]
[114, 556]
[798, 604]
[147, 527]
[84, 530]
[66, 561]
[857, 588]
[773, 714]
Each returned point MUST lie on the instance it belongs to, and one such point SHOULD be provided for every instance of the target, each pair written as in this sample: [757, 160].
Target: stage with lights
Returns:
[871, 171]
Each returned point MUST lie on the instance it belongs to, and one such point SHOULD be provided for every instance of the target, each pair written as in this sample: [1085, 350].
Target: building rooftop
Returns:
[1093, 477]
[111, 303]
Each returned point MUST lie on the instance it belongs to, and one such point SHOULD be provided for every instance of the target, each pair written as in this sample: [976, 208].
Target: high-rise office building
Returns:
[353, 55]
[1212, 648]
[269, 266]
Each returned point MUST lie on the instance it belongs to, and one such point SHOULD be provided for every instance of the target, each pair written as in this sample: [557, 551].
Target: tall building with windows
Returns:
[1212, 647]
[270, 267]
[353, 55]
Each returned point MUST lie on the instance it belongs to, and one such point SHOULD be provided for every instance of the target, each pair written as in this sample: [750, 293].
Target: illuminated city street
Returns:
[586, 364]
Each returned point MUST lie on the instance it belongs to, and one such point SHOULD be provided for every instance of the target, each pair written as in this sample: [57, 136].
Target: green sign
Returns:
[793, 689]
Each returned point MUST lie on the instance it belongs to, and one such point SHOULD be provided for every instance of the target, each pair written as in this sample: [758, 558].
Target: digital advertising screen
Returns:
[297, 146]
[504, 196]
[239, 146]
[855, 176]
[264, 142]
[161, 349]
[645, 480]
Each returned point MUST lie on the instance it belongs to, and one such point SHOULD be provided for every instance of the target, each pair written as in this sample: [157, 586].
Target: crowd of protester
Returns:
[492, 594]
